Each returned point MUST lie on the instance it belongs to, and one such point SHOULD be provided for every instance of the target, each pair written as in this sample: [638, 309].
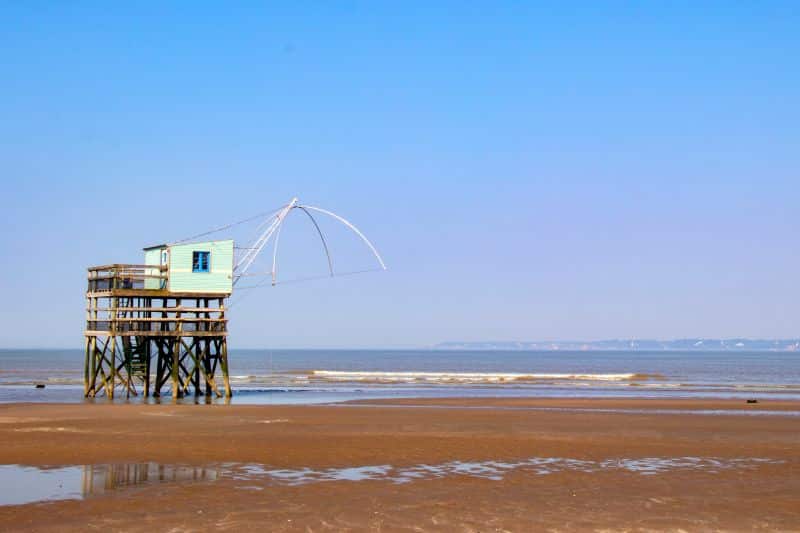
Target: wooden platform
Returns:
[128, 325]
[154, 293]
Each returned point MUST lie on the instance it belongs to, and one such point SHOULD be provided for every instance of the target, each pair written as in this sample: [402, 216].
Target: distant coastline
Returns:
[682, 345]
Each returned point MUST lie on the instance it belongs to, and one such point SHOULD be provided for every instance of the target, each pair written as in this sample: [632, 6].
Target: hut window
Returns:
[200, 261]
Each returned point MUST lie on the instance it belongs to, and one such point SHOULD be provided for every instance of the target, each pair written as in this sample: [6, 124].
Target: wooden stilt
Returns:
[224, 365]
[176, 351]
[147, 358]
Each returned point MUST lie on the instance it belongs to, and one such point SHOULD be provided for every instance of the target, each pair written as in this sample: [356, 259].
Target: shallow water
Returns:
[625, 410]
[494, 470]
[33, 484]
[324, 376]
[321, 396]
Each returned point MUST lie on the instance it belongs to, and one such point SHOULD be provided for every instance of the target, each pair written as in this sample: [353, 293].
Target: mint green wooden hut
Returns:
[201, 267]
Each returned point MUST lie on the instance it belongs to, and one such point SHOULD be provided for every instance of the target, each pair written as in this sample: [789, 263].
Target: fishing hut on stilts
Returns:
[164, 320]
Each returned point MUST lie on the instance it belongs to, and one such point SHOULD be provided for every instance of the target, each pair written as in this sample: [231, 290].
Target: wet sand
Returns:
[404, 433]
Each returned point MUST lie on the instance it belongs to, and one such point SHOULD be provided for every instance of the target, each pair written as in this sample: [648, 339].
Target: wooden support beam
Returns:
[148, 356]
[185, 334]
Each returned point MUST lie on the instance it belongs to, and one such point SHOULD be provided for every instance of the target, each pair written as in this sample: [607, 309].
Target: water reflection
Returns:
[32, 484]
[98, 479]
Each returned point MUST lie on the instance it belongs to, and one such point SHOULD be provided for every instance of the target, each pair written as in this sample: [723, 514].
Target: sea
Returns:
[266, 376]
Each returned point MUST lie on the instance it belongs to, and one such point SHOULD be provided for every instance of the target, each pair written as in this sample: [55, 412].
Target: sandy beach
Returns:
[400, 436]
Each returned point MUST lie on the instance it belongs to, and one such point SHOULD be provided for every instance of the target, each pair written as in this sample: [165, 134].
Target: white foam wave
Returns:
[460, 377]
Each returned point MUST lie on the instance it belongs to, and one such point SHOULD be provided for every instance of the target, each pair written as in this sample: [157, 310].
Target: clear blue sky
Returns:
[529, 170]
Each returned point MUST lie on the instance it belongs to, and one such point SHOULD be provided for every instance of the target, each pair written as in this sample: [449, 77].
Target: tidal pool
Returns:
[28, 484]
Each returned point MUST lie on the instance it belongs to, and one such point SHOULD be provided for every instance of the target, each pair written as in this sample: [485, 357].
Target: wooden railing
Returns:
[122, 276]
[164, 325]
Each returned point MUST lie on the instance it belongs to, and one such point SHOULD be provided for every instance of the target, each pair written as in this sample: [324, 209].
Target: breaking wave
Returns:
[466, 377]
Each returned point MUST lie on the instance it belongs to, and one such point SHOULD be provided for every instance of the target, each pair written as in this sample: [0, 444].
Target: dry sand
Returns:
[765, 497]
